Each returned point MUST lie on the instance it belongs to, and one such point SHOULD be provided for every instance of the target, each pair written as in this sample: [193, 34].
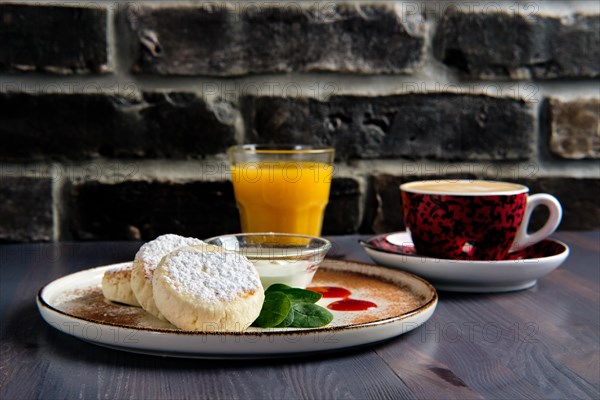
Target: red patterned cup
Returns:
[477, 220]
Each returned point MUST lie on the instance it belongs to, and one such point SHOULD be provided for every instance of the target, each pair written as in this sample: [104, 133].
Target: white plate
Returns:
[519, 273]
[74, 305]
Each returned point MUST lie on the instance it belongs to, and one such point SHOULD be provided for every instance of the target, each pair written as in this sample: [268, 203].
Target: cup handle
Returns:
[523, 239]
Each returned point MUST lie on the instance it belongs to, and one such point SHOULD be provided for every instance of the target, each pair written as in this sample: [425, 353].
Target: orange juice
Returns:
[282, 196]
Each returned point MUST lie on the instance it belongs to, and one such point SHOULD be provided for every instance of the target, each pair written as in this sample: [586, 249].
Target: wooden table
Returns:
[539, 343]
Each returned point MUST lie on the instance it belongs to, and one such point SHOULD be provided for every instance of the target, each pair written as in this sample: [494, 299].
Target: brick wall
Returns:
[115, 116]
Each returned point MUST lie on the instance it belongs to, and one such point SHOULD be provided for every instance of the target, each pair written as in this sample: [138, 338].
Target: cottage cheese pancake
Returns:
[116, 285]
[203, 288]
[145, 262]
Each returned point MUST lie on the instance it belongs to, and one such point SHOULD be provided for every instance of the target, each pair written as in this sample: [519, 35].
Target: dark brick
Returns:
[579, 199]
[143, 210]
[65, 126]
[575, 128]
[508, 45]
[182, 124]
[224, 39]
[342, 215]
[436, 125]
[55, 39]
[388, 214]
[136, 210]
[80, 126]
[26, 212]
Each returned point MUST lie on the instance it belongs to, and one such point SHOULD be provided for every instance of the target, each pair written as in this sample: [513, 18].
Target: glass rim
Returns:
[322, 241]
[279, 149]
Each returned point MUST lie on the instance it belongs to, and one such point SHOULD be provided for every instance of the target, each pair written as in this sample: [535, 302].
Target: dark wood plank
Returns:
[58, 365]
[463, 354]
[539, 343]
[427, 377]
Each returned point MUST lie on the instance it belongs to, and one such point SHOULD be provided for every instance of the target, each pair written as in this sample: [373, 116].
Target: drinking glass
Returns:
[281, 188]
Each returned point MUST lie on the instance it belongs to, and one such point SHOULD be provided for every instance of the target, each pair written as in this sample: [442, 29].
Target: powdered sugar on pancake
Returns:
[152, 252]
[209, 276]
[119, 268]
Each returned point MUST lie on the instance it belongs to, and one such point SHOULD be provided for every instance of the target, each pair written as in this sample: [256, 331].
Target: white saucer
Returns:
[520, 272]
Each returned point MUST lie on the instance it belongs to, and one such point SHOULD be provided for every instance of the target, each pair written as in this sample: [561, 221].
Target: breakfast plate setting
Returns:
[262, 295]
[75, 305]
[519, 270]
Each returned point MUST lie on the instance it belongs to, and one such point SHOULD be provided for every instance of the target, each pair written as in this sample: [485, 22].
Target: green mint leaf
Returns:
[277, 287]
[308, 315]
[287, 306]
[302, 295]
[288, 320]
[274, 310]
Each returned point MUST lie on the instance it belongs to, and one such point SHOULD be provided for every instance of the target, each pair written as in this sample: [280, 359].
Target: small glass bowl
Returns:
[279, 257]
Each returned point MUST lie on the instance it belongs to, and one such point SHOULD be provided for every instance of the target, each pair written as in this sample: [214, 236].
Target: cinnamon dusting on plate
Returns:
[90, 304]
[391, 299]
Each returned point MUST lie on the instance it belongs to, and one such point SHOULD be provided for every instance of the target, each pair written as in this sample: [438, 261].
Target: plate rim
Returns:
[434, 298]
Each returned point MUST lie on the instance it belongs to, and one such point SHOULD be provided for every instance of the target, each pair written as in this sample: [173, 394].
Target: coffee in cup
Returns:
[473, 219]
